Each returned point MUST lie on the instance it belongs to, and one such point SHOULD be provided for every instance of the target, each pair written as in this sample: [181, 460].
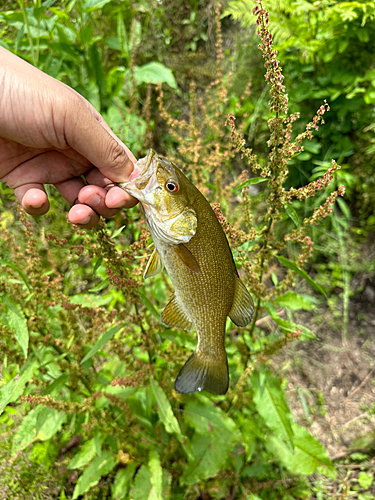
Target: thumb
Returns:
[87, 133]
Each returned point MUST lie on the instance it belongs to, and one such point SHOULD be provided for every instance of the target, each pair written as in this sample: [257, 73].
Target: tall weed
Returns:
[86, 393]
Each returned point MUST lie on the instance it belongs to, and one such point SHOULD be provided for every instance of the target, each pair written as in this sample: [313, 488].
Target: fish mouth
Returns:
[146, 186]
[147, 165]
[147, 181]
[146, 161]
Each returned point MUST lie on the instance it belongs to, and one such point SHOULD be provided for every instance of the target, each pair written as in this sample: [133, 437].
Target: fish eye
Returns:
[172, 186]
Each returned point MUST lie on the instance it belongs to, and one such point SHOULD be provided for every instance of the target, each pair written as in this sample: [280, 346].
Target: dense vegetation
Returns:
[87, 406]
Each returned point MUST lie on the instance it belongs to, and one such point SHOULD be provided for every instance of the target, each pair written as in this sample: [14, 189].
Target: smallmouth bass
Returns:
[191, 244]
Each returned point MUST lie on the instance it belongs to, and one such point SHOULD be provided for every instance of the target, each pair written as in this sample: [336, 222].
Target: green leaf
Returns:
[4, 262]
[143, 488]
[357, 456]
[11, 391]
[133, 127]
[292, 214]
[84, 456]
[117, 232]
[180, 338]
[98, 441]
[211, 419]
[365, 480]
[275, 279]
[288, 326]
[49, 422]
[123, 479]
[90, 300]
[121, 392]
[215, 437]
[309, 455]
[100, 286]
[40, 424]
[140, 489]
[122, 36]
[344, 207]
[250, 182]
[209, 457]
[56, 385]
[43, 453]
[156, 476]
[136, 31]
[295, 301]
[167, 483]
[97, 264]
[66, 36]
[99, 467]
[149, 305]
[271, 405]
[98, 70]
[293, 266]
[87, 34]
[94, 4]
[26, 431]
[304, 156]
[165, 410]
[113, 43]
[154, 72]
[103, 339]
[16, 321]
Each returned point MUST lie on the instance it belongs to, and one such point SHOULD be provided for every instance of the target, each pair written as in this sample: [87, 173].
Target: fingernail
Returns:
[134, 174]
[94, 200]
[120, 204]
[85, 221]
[37, 206]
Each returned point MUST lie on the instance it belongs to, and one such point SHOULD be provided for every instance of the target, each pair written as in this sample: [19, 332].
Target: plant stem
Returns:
[29, 37]
[257, 307]
[149, 348]
[345, 277]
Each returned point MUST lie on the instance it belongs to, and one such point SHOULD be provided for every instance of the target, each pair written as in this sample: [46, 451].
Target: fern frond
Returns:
[241, 10]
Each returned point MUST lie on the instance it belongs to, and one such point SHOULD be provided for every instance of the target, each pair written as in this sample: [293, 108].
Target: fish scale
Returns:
[191, 244]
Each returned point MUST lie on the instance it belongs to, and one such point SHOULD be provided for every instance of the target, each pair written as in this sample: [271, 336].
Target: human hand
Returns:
[49, 134]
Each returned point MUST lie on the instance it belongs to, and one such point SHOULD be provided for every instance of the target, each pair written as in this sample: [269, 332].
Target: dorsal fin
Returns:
[154, 265]
[242, 308]
[187, 258]
[174, 316]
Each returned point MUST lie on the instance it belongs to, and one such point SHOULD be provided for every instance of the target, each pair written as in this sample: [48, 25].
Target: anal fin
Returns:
[174, 316]
[203, 372]
[154, 265]
[243, 307]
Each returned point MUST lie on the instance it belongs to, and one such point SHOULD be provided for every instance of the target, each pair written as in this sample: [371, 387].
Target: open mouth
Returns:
[137, 185]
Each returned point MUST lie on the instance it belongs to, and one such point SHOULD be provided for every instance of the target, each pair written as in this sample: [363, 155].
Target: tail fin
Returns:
[202, 372]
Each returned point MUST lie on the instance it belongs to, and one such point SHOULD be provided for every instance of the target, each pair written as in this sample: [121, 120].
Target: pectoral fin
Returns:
[187, 258]
[154, 265]
[242, 308]
[174, 316]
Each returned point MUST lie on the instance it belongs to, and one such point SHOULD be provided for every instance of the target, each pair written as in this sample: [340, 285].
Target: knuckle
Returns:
[118, 159]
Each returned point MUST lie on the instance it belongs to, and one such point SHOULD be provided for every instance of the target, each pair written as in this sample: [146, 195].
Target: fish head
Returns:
[163, 191]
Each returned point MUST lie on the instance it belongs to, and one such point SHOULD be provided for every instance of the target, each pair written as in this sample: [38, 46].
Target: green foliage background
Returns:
[86, 399]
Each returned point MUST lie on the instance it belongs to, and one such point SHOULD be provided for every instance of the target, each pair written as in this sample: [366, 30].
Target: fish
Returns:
[191, 245]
